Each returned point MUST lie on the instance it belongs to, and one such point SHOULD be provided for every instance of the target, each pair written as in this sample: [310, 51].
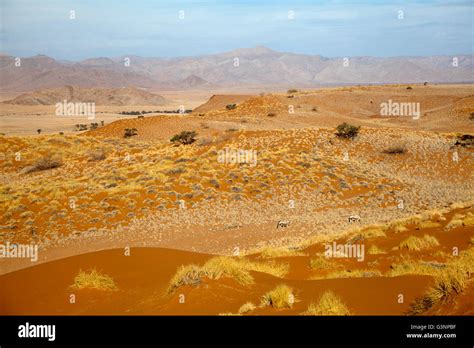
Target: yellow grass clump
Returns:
[280, 252]
[94, 280]
[373, 231]
[329, 304]
[413, 243]
[356, 273]
[319, 262]
[280, 297]
[375, 250]
[247, 307]
[459, 220]
[450, 281]
[415, 267]
[223, 266]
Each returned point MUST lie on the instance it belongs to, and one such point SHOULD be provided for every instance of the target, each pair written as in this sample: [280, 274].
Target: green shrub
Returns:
[184, 138]
[345, 130]
[130, 132]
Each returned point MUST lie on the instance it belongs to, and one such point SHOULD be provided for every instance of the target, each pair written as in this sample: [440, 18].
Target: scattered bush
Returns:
[44, 163]
[222, 266]
[247, 307]
[395, 150]
[409, 88]
[375, 250]
[271, 114]
[320, 262]
[231, 106]
[292, 90]
[413, 243]
[280, 297]
[345, 130]
[329, 304]
[184, 138]
[449, 280]
[130, 132]
[97, 155]
[81, 127]
[94, 280]
[465, 140]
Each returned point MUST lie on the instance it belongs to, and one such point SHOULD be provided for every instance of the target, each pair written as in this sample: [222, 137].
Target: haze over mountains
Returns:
[258, 66]
[100, 96]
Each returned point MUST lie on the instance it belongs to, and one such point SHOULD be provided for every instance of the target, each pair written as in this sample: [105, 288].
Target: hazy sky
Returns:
[154, 28]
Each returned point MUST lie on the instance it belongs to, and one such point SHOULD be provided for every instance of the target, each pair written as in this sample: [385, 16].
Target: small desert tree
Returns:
[130, 132]
[184, 138]
[345, 130]
[39, 130]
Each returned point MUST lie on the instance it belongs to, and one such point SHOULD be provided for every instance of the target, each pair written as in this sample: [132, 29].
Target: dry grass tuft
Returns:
[44, 163]
[415, 267]
[280, 252]
[320, 262]
[449, 282]
[247, 307]
[280, 297]
[375, 250]
[356, 273]
[413, 243]
[223, 266]
[94, 280]
[329, 304]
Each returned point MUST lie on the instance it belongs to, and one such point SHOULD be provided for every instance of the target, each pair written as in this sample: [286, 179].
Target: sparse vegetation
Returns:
[414, 243]
[231, 106]
[280, 252]
[375, 250]
[448, 282]
[97, 155]
[329, 304]
[292, 90]
[395, 150]
[184, 138]
[280, 297]
[130, 132]
[44, 163]
[345, 130]
[247, 307]
[221, 266]
[320, 262]
[94, 280]
[271, 114]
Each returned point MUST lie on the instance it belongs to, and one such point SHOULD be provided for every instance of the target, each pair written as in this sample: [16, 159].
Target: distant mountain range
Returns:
[258, 66]
[100, 96]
